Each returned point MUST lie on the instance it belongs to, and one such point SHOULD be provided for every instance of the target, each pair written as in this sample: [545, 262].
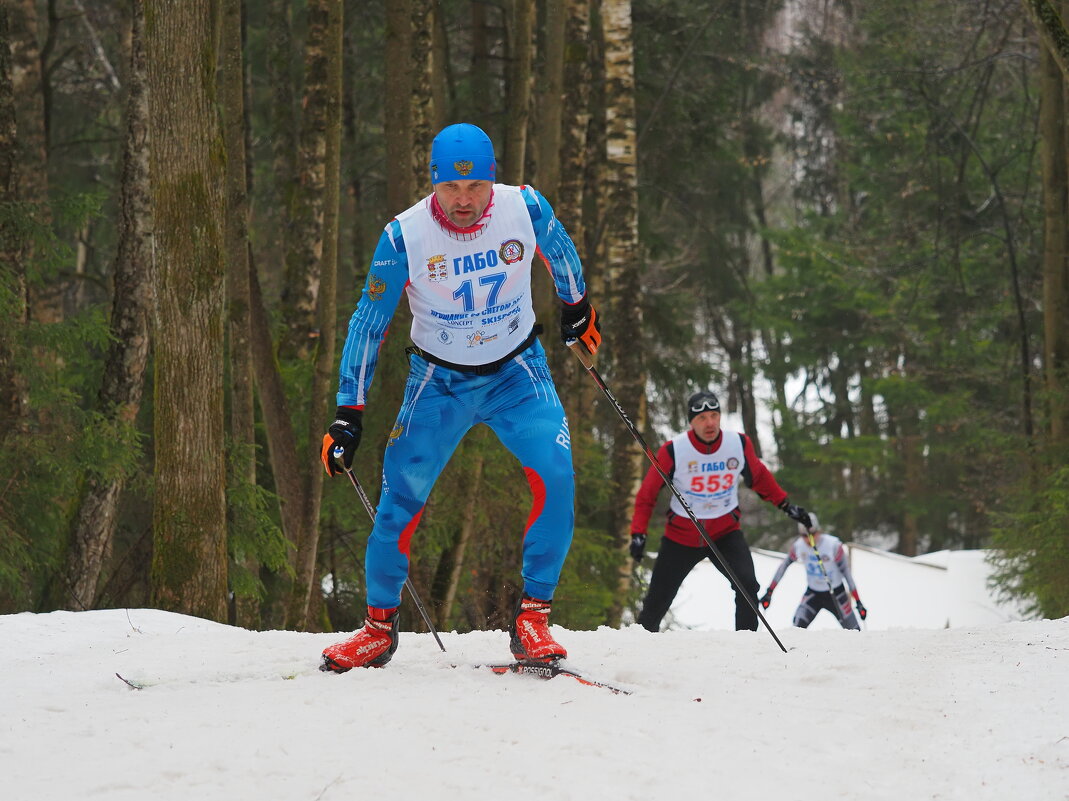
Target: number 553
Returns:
[713, 483]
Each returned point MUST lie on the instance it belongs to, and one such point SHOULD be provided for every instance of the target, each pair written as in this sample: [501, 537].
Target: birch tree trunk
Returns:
[321, 142]
[300, 292]
[622, 272]
[132, 309]
[568, 200]
[189, 515]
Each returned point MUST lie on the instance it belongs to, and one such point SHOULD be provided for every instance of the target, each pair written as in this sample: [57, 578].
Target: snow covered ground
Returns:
[945, 589]
[899, 711]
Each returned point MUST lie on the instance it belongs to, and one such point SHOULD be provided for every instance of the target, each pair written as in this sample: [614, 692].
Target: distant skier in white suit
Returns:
[818, 594]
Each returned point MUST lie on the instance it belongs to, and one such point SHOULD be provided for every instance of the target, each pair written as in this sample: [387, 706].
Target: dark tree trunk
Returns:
[14, 401]
[132, 309]
[189, 517]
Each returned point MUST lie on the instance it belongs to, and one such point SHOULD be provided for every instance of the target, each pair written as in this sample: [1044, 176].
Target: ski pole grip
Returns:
[339, 456]
[579, 349]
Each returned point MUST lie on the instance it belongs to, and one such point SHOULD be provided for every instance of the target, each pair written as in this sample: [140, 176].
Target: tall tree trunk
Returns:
[281, 439]
[548, 141]
[189, 516]
[300, 294]
[551, 101]
[400, 189]
[132, 308]
[482, 73]
[31, 164]
[14, 399]
[281, 130]
[421, 48]
[441, 72]
[1054, 146]
[576, 390]
[242, 402]
[623, 271]
[273, 403]
[520, 30]
[1049, 17]
[320, 145]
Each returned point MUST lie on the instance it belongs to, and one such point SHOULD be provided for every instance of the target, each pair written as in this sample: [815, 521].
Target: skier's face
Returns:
[463, 201]
[706, 425]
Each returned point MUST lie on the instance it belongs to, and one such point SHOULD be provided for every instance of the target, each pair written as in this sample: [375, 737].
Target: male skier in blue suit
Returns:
[463, 255]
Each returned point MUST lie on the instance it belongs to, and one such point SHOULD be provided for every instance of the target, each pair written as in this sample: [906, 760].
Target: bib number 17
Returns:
[465, 292]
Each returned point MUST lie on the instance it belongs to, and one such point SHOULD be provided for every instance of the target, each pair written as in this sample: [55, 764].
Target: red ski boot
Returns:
[531, 640]
[371, 646]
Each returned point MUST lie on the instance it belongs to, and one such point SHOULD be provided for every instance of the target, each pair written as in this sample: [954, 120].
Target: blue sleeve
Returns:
[386, 281]
[556, 247]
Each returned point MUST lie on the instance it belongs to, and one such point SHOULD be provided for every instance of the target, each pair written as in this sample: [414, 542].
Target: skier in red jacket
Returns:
[705, 464]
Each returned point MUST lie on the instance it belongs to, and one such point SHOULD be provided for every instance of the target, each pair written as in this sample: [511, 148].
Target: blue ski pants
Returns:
[519, 402]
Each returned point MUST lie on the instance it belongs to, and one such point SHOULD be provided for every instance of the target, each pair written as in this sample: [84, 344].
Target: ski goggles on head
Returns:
[703, 402]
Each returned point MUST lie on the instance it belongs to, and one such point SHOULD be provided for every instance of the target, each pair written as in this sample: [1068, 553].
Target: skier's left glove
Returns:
[796, 513]
[343, 433]
[580, 321]
[638, 545]
[861, 610]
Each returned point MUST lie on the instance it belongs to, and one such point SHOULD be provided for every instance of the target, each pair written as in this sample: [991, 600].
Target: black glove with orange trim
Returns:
[580, 321]
[343, 433]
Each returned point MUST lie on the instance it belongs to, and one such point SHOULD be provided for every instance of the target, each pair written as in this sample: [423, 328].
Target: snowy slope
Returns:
[962, 713]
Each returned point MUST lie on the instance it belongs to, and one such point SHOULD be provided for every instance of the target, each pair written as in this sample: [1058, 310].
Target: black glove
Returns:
[581, 322]
[638, 545]
[796, 513]
[343, 433]
[861, 610]
[766, 599]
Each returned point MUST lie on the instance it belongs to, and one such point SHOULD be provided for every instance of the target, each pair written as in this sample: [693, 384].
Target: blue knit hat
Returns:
[460, 152]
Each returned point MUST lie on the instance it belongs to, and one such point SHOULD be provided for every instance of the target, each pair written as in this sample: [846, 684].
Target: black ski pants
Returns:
[815, 600]
[674, 563]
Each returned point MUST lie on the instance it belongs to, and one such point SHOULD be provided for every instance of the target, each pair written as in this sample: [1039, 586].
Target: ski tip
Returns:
[133, 685]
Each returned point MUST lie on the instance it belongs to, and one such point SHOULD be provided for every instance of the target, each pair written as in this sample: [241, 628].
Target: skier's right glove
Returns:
[796, 513]
[638, 545]
[580, 321]
[343, 433]
[766, 599]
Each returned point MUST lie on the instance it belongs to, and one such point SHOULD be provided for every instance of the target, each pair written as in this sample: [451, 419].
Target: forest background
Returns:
[850, 219]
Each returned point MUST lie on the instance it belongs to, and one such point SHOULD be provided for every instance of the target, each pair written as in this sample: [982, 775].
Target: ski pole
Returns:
[364, 499]
[831, 589]
[584, 357]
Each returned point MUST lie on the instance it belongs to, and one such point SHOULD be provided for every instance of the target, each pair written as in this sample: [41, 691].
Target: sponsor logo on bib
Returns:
[436, 268]
[511, 251]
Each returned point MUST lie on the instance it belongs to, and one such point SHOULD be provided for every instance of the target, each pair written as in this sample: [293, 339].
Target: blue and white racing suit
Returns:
[476, 360]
